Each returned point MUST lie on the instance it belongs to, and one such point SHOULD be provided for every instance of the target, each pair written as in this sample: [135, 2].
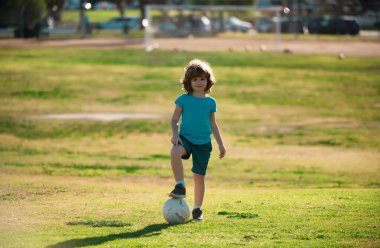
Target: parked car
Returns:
[333, 25]
[104, 5]
[120, 23]
[198, 25]
[367, 20]
[39, 29]
[268, 25]
[232, 24]
[264, 25]
[296, 26]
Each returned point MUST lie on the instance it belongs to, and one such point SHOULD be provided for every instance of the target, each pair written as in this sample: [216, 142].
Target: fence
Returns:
[173, 21]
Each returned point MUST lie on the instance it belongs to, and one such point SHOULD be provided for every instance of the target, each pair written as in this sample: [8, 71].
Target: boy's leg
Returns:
[199, 192]
[176, 161]
[199, 189]
[179, 190]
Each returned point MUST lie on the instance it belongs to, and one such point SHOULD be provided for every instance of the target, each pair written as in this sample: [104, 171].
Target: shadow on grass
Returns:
[98, 223]
[148, 231]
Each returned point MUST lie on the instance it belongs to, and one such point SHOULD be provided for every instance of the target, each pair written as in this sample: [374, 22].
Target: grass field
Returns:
[302, 136]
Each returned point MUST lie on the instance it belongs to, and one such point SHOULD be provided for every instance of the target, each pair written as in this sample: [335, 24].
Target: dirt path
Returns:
[348, 47]
[95, 116]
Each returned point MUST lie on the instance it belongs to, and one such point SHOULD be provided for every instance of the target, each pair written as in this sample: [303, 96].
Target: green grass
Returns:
[98, 223]
[95, 16]
[301, 131]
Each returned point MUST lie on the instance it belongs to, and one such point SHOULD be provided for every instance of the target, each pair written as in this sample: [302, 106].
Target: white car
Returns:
[233, 24]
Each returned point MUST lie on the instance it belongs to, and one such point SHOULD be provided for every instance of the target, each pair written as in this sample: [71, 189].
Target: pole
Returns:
[278, 29]
[147, 27]
[82, 25]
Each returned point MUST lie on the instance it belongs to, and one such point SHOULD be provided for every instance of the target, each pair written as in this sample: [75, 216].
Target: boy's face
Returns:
[199, 84]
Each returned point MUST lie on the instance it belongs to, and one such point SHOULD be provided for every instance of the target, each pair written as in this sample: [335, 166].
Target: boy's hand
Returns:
[176, 140]
[222, 151]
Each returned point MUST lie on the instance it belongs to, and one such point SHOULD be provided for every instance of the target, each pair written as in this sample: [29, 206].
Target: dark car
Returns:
[268, 25]
[333, 25]
[120, 23]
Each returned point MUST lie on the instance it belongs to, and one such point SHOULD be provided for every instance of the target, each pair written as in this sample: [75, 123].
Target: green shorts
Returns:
[201, 155]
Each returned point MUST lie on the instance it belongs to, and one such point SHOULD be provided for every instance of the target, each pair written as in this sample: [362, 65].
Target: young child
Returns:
[197, 109]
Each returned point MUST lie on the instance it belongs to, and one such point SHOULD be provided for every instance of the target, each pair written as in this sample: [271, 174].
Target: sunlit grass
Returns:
[95, 16]
[301, 133]
[122, 213]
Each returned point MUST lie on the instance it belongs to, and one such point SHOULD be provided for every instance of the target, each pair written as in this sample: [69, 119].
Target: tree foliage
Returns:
[30, 11]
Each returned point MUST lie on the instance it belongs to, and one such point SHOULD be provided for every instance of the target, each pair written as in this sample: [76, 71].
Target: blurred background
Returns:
[52, 19]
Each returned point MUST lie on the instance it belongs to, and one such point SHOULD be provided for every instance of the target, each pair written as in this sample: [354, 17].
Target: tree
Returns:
[24, 15]
[120, 5]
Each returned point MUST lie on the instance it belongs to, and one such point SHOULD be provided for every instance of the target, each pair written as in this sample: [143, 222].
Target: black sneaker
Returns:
[178, 192]
[197, 214]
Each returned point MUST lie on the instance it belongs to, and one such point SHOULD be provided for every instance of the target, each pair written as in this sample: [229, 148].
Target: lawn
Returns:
[302, 136]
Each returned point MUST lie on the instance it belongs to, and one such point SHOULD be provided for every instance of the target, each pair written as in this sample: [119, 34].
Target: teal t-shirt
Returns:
[195, 124]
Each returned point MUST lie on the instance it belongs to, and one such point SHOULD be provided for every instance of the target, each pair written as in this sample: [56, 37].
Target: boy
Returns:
[197, 109]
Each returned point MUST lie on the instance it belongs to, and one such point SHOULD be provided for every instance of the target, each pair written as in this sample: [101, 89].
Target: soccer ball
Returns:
[176, 211]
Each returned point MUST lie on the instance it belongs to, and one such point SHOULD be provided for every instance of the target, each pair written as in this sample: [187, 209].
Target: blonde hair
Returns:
[197, 68]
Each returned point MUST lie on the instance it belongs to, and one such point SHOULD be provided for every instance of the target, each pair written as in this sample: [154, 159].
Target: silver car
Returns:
[233, 23]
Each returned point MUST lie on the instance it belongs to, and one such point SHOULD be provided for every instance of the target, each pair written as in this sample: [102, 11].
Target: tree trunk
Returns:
[339, 8]
[120, 4]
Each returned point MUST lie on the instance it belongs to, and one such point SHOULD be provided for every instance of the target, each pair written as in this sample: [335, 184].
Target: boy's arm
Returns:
[218, 138]
[174, 123]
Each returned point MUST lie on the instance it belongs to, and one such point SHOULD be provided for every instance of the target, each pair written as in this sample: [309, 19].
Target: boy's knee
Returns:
[198, 177]
[176, 151]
